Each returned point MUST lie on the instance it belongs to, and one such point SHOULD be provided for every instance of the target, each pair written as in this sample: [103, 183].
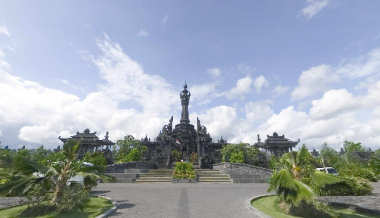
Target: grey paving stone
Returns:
[166, 200]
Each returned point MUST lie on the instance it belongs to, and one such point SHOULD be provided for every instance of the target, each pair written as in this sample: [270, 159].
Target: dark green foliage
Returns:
[176, 155]
[243, 153]
[311, 209]
[350, 147]
[324, 185]
[348, 164]
[237, 157]
[98, 159]
[130, 149]
[374, 163]
[183, 170]
[74, 196]
[46, 180]
[330, 156]
[289, 189]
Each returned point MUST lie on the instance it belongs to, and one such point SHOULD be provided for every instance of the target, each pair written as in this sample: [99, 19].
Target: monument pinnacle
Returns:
[185, 98]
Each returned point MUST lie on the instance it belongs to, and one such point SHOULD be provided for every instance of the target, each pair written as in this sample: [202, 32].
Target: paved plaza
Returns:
[166, 200]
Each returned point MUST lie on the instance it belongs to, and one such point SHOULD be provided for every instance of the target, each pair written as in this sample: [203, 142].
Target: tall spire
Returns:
[185, 98]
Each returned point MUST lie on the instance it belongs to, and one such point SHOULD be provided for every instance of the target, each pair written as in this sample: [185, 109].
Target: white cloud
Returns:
[258, 111]
[243, 86]
[314, 80]
[143, 33]
[215, 72]
[4, 31]
[165, 19]
[320, 78]
[219, 120]
[260, 83]
[333, 103]
[280, 90]
[313, 7]
[203, 93]
[42, 114]
[65, 82]
[365, 65]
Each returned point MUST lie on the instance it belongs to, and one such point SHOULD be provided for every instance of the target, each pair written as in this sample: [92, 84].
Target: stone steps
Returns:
[156, 175]
[212, 176]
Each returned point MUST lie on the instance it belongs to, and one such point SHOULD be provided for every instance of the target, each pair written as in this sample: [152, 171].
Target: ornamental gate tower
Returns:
[184, 142]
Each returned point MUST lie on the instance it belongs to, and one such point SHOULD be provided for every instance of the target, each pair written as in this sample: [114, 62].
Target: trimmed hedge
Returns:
[325, 184]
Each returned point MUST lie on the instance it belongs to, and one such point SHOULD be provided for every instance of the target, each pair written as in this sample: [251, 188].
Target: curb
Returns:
[253, 209]
[110, 211]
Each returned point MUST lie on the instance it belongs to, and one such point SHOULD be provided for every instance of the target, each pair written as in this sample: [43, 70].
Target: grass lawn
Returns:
[270, 206]
[94, 207]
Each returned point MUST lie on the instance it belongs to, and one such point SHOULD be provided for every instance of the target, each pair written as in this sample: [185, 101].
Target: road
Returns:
[166, 200]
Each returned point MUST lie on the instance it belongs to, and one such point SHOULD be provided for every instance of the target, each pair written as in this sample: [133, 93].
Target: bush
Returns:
[237, 157]
[98, 159]
[183, 170]
[329, 185]
[243, 153]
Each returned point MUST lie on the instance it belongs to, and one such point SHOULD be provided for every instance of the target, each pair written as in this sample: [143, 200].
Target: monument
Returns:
[192, 144]
[276, 145]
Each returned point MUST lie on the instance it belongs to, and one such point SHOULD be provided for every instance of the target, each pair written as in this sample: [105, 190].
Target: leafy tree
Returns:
[136, 154]
[130, 149]
[290, 190]
[243, 153]
[352, 146]
[97, 159]
[330, 157]
[374, 163]
[237, 157]
[49, 181]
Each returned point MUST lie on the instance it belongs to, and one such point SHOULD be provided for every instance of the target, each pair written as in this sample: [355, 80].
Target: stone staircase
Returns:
[128, 176]
[212, 176]
[155, 175]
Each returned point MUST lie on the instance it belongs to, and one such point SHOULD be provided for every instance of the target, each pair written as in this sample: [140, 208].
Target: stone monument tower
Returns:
[185, 98]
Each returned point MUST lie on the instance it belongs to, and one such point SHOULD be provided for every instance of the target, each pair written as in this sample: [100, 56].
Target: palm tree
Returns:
[287, 181]
[25, 175]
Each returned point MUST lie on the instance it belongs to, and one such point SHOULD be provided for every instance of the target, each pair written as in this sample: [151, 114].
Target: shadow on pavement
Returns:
[124, 205]
[100, 192]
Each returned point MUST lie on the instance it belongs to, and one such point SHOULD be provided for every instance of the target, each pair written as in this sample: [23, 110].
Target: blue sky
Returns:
[308, 69]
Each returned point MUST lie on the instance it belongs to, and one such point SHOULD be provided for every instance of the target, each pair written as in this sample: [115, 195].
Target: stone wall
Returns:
[130, 166]
[244, 173]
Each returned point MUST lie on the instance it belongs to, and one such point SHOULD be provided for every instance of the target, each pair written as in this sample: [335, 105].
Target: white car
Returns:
[328, 170]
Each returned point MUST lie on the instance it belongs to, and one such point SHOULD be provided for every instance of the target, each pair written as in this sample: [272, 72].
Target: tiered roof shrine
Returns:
[276, 145]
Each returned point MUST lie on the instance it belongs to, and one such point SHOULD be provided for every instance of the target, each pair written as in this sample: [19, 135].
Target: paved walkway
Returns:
[11, 201]
[166, 200]
[365, 203]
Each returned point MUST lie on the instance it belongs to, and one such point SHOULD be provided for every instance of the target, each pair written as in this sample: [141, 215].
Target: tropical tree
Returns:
[129, 149]
[48, 182]
[288, 180]
[243, 153]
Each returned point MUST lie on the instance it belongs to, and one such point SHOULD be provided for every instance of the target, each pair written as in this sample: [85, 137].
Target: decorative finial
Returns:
[185, 86]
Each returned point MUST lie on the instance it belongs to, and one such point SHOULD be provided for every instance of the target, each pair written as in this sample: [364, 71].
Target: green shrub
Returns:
[243, 153]
[98, 159]
[329, 185]
[237, 157]
[289, 189]
[183, 170]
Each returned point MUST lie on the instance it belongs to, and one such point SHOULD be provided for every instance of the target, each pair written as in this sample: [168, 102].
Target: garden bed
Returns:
[271, 206]
[94, 207]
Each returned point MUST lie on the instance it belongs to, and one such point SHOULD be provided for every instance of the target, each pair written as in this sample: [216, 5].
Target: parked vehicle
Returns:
[328, 170]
